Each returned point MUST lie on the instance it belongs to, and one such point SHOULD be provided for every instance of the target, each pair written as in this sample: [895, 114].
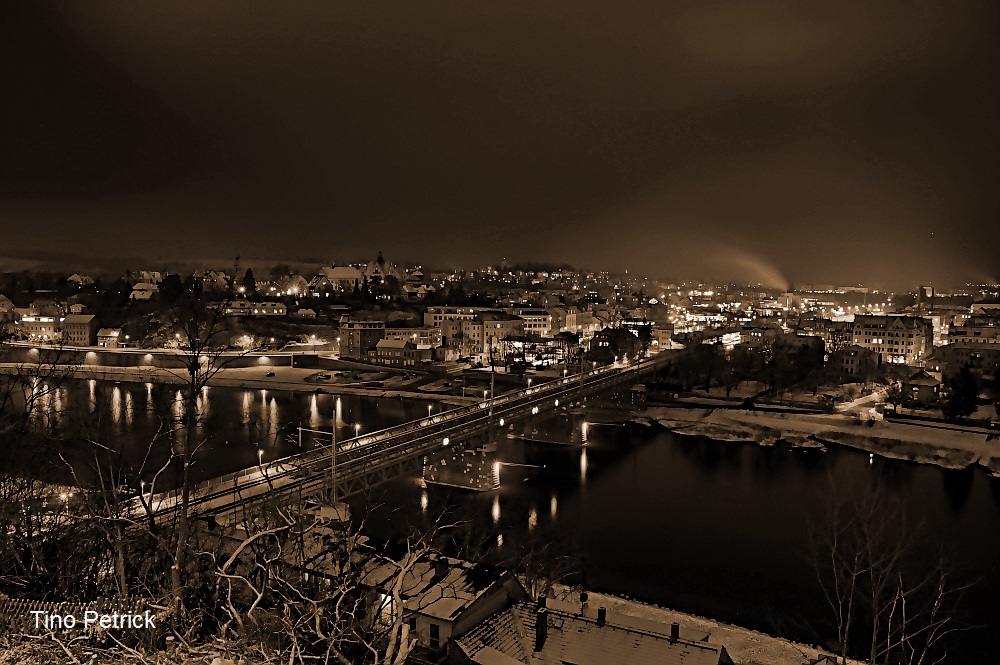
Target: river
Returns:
[713, 528]
[720, 529]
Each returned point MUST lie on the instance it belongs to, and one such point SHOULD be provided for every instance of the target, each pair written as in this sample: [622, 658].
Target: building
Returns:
[268, 309]
[421, 337]
[35, 327]
[537, 322]
[853, 360]
[761, 334]
[336, 279]
[400, 353]
[358, 339]
[974, 334]
[379, 271]
[563, 319]
[982, 359]
[482, 333]
[79, 330]
[835, 334]
[921, 389]
[904, 340]
[435, 316]
[444, 598]
[614, 344]
[237, 307]
[143, 291]
[558, 632]
[988, 307]
[110, 338]
[663, 334]
[149, 276]
[7, 314]
[417, 291]
[46, 307]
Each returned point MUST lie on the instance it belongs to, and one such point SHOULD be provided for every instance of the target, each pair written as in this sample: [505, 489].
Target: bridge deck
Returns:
[380, 455]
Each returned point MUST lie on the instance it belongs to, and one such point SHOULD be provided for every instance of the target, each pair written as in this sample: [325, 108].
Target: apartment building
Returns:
[904, 340]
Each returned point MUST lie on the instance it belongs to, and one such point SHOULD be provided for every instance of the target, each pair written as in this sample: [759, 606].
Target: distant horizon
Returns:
[69, 263]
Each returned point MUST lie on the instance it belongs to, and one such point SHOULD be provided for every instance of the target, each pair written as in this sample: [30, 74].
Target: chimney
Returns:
[440, 567]
[602, 616]
[542, 600]
[541, 626]
[675, 631]
[583, 603]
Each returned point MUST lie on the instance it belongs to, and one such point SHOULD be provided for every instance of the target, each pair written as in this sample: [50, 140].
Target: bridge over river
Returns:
[355, 464]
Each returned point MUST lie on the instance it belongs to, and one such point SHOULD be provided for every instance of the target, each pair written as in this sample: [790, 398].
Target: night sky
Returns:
[776, 140]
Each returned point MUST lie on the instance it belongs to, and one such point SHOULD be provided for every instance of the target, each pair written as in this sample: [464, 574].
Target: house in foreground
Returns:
[443, 597]
[557, 632]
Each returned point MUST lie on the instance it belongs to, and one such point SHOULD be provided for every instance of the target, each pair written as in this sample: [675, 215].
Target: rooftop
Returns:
[78, 318]
[437, 586]
[574, 635]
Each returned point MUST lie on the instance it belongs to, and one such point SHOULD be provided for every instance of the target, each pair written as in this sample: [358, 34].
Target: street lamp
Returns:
[357, 429]
[429, 406]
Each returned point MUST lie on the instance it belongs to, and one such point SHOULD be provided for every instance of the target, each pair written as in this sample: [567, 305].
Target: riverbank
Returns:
[946, 446]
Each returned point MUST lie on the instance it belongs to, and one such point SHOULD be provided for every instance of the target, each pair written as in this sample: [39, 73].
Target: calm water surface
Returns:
[713, 528]
[720, 528]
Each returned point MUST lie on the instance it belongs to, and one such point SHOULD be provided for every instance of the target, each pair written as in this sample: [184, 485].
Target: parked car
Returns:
[269, 374]
[323, 377]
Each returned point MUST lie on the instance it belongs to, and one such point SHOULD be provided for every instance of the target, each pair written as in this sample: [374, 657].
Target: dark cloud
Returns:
[824, 140]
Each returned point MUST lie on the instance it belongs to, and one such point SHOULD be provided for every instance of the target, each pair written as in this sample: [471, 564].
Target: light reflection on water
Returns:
[314, 413]
[229, 421]
[714, 528]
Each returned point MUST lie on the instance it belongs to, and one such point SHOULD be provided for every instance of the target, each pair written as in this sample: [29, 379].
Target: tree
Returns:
[199, 326]
[894, 396]
[171, 288]
[890, 587]
[249, 283]
[318, 590]
[963, 395]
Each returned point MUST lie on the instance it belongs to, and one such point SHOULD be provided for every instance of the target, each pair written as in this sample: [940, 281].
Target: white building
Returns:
[905, 340]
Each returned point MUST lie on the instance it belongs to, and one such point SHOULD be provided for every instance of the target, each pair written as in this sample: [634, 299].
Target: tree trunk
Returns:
[183, 526]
